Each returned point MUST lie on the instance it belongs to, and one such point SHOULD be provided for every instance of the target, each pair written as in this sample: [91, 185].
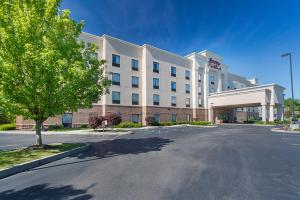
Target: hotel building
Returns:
[148, 81]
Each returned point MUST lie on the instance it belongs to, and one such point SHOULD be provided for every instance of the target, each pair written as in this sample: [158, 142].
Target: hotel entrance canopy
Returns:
[269, 97]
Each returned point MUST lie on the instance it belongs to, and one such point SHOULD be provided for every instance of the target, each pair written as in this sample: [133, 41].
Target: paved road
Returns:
[230, 162]
[13, 141]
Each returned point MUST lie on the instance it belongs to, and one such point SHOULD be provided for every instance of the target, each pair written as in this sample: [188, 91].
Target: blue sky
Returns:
[249, 34]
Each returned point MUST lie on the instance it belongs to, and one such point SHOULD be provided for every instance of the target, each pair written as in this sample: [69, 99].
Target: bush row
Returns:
[128, 125]
[5, 127]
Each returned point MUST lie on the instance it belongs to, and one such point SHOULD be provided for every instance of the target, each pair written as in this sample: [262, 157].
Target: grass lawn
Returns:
[14, 157]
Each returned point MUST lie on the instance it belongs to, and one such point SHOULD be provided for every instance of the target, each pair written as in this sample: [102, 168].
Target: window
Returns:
[199, 90]
[212, 89]
[173, 71]
[135, 65]
[135, 81]
[116, 97]
[157, 117]
[174, 118]
[156, 67]
[156, 99]
[116, 60]
[187, 88]
[115, 79]
[212, 79]
[199, 77]
[155, 83]
[173, 101]
[187, 74]
[135, 118]
[135, 99]
[173, 86]
[199, 102]
[188, 102]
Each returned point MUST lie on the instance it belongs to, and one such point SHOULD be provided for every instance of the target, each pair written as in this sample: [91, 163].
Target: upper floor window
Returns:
[173, 101]
[115, 79]
[188, 102]
[135, 81]
[199, 90]
[135, 99]
[156, 99]
[116, 60]
[187, 88]
[199, 77]
[199, 102]
[173, 71]
[116, 97]
[187, 74]
[212, 79]
[173, 86]
[156, 67]
[155, 83]
[135, 65]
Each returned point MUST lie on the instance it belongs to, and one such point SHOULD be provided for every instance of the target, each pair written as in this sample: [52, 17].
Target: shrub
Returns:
[113, 119]
[151, 121]
[128, 125]
[201, 123]
[95, 121]
[5, 127]
[55, 127]
[83, 126]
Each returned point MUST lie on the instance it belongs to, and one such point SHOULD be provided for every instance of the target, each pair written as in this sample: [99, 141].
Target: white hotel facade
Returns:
[148, 81]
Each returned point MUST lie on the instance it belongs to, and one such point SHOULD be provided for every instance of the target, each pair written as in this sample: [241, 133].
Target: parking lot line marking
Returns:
[296, 144]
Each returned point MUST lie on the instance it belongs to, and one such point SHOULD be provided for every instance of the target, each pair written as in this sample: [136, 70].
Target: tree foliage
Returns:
[44, 70]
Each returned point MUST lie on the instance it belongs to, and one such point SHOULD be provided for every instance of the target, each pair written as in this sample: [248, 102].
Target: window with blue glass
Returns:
[116, 60]
[156, 99]
[155, 83]
[157, 118]
[156, 67]
[135, 81]
[187, 88]
[135, 65]
[135, 99]
[116, 97]
[135, 118]
[173, 101]
[115, 79]
[173, 86]
[173, 71]
[187, 74]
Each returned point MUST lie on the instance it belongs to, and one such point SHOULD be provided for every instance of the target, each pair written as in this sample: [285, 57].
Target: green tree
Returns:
[44, 70]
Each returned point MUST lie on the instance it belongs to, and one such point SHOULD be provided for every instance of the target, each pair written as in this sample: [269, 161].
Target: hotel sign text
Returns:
[214, 64]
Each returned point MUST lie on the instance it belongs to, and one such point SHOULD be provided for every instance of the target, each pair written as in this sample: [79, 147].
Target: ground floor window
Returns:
[135, 118]
[188, 118]
[157, 117]
[174, 118]
[67, 119]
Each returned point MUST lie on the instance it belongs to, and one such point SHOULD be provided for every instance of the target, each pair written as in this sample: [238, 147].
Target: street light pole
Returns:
[292, 84]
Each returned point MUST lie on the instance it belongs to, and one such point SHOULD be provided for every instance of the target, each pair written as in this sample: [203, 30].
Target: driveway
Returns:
[228, 162]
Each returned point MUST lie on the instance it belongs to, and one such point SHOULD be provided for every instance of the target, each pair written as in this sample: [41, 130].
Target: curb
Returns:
[266, 125]
[283, 131]
[35, 163]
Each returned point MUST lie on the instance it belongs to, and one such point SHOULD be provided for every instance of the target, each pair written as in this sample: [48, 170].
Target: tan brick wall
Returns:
[126, 111]
[82, 115]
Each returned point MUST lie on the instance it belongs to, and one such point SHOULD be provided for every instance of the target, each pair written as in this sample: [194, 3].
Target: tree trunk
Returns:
[38, 132]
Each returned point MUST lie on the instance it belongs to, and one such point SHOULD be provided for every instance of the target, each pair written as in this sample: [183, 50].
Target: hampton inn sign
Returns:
[214, 64]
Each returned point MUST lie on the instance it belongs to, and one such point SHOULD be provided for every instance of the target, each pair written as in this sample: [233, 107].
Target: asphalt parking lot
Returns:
[228, 162]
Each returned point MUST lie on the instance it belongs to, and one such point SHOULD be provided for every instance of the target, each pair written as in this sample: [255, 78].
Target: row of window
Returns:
[135, 83]
[116, 99]
[116, 61]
